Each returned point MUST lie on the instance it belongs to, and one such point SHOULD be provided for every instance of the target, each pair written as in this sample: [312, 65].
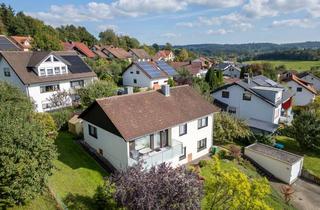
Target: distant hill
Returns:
[245, 49]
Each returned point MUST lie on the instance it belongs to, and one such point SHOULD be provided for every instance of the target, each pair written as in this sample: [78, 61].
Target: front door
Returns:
[189, 157]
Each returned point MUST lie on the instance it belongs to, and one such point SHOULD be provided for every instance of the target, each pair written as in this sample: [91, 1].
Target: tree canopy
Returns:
[214, 78]
[26, 148]
[73, 33]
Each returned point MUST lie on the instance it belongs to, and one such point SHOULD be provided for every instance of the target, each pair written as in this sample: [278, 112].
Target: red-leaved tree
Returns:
[161, 187]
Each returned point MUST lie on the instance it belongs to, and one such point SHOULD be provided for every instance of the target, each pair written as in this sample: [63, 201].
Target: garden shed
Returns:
[281, 164]
[75, 125]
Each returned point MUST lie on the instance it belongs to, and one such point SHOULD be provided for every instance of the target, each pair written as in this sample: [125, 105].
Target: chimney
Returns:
[165, 89]
[128, 90]
[247, 78]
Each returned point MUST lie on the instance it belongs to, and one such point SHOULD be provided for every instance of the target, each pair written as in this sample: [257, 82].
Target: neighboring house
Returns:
[311, 78]
[171, 125]
[164, 55]
[7, 44]
[139, 55]
[81, 48]
[283, 165]
[96, 49]
[206, 63]
[229, 69]
[24, 42]
[40, 75]
[116, 52]
[303, 91]
[194, 67]
[258, 100]
[148, 74]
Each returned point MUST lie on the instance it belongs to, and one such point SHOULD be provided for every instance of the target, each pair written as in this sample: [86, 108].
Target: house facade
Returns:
[164, 55]
[195, 67]
[24, 42]
[304, 92]
[229, 69]
[147, 74]
[41, 75]
[257, 100]
[138, 127]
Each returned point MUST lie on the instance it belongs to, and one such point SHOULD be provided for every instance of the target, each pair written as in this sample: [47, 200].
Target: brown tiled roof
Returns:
[118, 52]
[140, 53]
[194, 67]
[81, 47]
[20, 40]
[162, 54]
[99, 53]
[135, 115]
[20, 62]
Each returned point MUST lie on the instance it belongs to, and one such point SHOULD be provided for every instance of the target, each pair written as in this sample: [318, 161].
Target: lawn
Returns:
[292, 65]
[274, 200]
[76, 175]
[311, 160]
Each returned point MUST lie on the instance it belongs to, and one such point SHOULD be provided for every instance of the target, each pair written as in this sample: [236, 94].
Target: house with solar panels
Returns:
[260, 101]
[148, 74]
[42, 74]
[7, 44]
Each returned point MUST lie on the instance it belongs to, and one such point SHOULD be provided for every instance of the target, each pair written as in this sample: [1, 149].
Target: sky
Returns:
[186, 21]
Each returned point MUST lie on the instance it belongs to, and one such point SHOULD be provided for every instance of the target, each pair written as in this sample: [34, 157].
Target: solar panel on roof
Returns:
[166, 68]
[5, 44]
[259, 82]
[271, 82]
[77, 64]
[149, 69]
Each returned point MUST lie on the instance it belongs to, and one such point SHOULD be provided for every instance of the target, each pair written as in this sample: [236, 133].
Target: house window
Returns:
[57, 70]
[246, 96]
[137, 72]
[6, 72]
[183, 129]
[290, 88]
[155, 83]
[49, 72]
[201, 145]
[131, 72]
[135, 81]
[49, 88]
[46, 106]
[77, 83]
[55, 59]
[203, 122]
[42, 72]
[232, 110]
[184, 154]
[299, 89]
[166, 81]
[225, 94]
[63, 70]
[93, 131]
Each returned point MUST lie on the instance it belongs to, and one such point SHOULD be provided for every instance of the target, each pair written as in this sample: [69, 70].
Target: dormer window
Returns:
[63, 70]
[55, 59]
[48, 59]
[49, 71]
[42, 72]
[57, 70]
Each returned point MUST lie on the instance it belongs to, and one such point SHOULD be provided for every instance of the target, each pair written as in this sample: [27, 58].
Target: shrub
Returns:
[104, 196]
[235, 151]
[222, 154]
[202, 163]
[61, 118]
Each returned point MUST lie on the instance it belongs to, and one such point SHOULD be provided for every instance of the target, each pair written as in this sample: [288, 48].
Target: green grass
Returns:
[76, 175]
[292, 65]
[311, 160]
[274, 200]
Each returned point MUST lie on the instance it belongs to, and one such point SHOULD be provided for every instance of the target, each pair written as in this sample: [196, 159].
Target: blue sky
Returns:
[186, 21]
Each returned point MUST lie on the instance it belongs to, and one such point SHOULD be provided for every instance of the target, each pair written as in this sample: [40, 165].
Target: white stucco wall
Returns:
[256, 108]
[315, 81]
[281, 170]
[115, 149]
[300, 98]
[142, 79]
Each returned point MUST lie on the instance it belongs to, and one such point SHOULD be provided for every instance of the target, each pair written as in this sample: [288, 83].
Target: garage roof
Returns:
[274, 153]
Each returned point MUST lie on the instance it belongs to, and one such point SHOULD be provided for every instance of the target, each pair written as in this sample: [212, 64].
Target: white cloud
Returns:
[105, 27]
[220, 31]
[170, 35]
[186, 24]
[242, 26]
[264, 8]
[303, 23]
[217, 3]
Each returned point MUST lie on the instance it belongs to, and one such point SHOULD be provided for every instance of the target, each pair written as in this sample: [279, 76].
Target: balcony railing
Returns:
[162, 155]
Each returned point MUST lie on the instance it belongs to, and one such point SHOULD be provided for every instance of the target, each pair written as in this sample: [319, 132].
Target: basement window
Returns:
[246, 96]
[299, 89]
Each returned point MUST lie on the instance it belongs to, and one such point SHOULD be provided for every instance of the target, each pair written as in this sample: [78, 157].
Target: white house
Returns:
[229, 69]
[258, 100]
[164, 55]
[172, 125]
[148, 74]
[42, 74]
[311, 78]
[283, 165]
[303, 91]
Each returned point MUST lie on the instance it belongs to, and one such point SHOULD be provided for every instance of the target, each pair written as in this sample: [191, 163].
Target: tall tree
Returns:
[183, 55]
[168, 46]
[26, 150]
[109, 37]
[214, 78]
[73, 33]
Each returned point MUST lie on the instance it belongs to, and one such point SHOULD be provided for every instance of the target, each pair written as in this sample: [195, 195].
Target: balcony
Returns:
[157, 156]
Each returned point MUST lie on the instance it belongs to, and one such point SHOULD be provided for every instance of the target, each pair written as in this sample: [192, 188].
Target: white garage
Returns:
[281, 164]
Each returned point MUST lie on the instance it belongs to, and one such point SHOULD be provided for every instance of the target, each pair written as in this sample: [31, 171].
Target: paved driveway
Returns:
[306, 195]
